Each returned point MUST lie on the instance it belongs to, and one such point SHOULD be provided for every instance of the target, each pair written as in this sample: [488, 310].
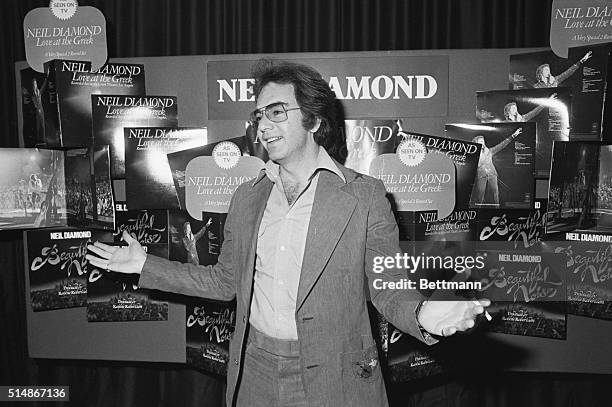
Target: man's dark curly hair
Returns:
[314, 97]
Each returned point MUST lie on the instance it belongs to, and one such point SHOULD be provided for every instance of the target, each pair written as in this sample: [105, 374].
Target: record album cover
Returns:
[589, 277]
[580, 193]
[504, 178]
[210, 326]
[148, 179]
[111, 113]
[179, 161]
[58, 268]
[52, 188]
[523, 227]
[549, 108]
[527, 292]
[148, 226]
[116, 297]
[62, 96]
[585, 71]
[464, 154]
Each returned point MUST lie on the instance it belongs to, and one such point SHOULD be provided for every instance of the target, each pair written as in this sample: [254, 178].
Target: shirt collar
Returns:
[324, 162]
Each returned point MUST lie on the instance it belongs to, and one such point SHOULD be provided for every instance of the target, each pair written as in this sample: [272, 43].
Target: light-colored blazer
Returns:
[350, 224]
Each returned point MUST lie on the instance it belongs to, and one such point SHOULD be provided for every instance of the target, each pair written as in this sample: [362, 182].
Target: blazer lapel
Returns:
[331, 211]
[254, 206]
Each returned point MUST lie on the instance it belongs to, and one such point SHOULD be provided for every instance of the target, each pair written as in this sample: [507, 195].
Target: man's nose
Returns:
[264, 124]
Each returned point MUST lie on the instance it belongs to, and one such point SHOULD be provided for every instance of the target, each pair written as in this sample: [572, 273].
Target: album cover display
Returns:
[504, 178]
[210, 326]
[524, 227]
[38, 107]
[111, 113]
[195, 241]
[148, 226]
[586, 72]
[179, 161]
[52, 188]
[367, 139]
[464, 154]
[58, 268]
[527, 292]
[589, 278]
[62, 99]
[549, 108]
[580, 192]
[148, 178]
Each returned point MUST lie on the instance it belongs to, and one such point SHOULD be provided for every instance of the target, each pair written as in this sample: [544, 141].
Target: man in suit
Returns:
[300, 240]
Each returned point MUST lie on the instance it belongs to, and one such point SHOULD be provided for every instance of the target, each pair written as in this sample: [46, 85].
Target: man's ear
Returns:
[316, 126]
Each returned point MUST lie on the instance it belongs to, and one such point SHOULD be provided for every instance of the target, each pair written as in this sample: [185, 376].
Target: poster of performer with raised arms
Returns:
[585, 71]
[550, 109]
[504, 178]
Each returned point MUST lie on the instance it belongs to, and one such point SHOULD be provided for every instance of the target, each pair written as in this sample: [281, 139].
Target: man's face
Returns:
[286, 141]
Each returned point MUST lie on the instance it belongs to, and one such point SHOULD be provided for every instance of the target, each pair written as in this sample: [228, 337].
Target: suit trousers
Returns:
[271, 375]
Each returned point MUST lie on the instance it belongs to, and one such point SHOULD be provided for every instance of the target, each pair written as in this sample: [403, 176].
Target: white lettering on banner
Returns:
[384, 87]
[245, 90]
[381, 87]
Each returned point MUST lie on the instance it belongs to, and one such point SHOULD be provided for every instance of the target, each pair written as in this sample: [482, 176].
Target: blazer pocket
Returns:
[361, 366]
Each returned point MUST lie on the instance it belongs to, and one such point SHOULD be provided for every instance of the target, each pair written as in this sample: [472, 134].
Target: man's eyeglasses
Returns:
[276, 112]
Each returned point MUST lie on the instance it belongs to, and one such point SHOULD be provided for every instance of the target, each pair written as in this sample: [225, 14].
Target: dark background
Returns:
[138, 28]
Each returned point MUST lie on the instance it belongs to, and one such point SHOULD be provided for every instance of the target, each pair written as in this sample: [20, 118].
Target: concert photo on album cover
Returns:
[549, 108]
[195, 241]
[32, 188]
[589, 278]
[580, 190]
[585, 71]
[504, 178]
[89, 198]
[111, 113]
[58, 268]
[39, 120]
[148, 178]
[527, 290]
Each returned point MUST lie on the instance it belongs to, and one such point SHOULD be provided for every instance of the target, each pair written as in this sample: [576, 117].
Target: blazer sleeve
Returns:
[397, 306]
[215, 282]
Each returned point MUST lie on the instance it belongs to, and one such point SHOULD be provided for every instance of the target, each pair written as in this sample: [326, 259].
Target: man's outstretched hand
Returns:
[127, 259]
[444, 318]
